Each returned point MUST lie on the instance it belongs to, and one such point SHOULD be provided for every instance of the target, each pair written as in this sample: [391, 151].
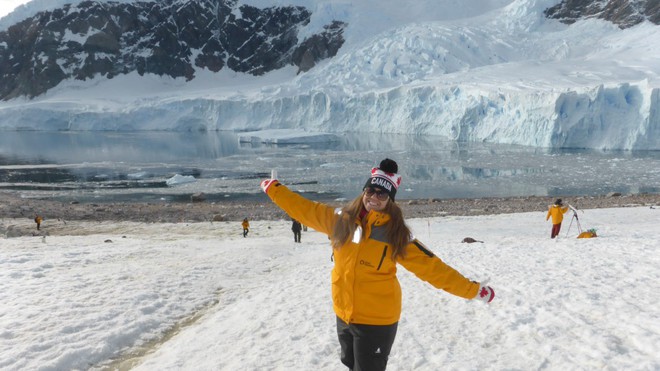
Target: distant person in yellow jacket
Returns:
[38, 219]
[370, 239]
[246, 227]
[557, 212]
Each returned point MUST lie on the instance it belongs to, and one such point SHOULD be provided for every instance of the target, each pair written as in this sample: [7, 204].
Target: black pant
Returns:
[296, 236]
[245, 232]
[365, 347]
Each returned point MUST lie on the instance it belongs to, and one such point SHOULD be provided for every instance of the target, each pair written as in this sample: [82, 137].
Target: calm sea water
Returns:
[109, 166]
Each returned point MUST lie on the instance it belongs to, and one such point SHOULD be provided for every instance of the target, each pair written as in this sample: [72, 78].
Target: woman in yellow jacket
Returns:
[557, 212]
[369, 238]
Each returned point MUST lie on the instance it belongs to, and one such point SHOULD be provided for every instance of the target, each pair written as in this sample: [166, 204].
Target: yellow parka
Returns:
[557, 212]
[245, 224]
[365, 289]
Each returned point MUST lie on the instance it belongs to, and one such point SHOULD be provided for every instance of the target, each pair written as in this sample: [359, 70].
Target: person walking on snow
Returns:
[296, 228]
[246, 227]
[38, 219]
[369, 240]
[557, 212]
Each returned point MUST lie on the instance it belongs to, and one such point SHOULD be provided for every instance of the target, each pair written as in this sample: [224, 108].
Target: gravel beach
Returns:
[12, 205]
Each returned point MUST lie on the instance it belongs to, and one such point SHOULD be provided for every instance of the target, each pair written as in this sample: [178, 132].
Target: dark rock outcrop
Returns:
[167, 37]
[624, 13]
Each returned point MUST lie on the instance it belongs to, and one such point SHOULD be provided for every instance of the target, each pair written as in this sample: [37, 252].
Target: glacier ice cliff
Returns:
[625, 116]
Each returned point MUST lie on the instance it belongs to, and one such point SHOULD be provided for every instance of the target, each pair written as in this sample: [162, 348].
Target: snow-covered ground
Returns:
[202, 297]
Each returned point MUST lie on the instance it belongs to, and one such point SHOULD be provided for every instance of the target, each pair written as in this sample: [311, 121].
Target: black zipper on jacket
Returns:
[382, 258]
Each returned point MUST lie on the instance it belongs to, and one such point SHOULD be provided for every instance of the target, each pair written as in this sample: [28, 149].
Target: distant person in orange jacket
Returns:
[246, 227]
[38, 219]
[557, 212]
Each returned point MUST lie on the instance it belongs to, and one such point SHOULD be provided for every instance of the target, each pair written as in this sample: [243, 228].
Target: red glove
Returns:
[267, 183]
[485, 294]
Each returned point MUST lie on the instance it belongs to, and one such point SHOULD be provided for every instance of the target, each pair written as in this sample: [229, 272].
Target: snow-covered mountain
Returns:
[533, 72]
[165, 38]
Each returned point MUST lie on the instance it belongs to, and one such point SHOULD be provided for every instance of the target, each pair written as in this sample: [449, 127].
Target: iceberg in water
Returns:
[285, 136]
[180, 179]
[138, 175]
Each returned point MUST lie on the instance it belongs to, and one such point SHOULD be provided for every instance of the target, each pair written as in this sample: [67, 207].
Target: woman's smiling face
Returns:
[375, 199]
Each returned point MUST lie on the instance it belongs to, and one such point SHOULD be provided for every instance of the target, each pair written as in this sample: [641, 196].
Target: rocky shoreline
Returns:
[15, 207]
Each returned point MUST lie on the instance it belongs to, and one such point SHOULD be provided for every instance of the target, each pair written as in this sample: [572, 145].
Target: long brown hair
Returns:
[397, 232]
